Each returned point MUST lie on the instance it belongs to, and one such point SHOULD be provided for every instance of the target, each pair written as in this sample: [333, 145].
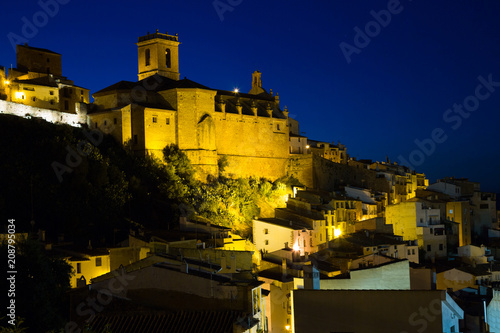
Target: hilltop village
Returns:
[356, 245]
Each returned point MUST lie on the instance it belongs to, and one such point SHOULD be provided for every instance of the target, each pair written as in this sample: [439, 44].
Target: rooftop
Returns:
[37, 49]
[294, 225]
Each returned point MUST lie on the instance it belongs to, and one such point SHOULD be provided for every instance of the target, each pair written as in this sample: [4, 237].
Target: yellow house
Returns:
[87, 264]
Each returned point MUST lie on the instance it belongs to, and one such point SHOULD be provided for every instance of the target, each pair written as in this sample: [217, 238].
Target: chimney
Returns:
[89, 247]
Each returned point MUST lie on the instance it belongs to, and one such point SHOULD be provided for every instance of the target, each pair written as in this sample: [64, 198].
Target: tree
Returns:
[41, 282]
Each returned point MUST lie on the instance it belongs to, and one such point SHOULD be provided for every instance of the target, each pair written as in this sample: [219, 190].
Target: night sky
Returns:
[396, 87]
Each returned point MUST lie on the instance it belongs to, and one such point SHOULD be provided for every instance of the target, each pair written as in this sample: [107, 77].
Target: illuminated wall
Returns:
[52, 116]
[394, 275]
[88, 267]
[460, 212]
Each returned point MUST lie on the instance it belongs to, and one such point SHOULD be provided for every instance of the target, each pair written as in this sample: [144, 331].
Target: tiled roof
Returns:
[178, 322]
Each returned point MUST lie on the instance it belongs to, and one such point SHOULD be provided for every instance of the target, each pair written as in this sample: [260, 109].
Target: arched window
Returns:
[167, 57]
[148, 57]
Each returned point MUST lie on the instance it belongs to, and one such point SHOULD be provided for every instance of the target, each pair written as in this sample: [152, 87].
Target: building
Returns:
[87, 263]
[392, 275]
[187, 284]
[474, 255]
[250, 130]
[333, 152]
[460, 212]
[415, 221]
[273, 234]
[38, 81]
[360, 311]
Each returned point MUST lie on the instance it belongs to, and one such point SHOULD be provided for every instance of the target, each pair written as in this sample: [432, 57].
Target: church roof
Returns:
[154, 83]
[157, 83]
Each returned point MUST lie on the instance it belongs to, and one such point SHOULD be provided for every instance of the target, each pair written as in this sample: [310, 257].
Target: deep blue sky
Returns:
[394, 91]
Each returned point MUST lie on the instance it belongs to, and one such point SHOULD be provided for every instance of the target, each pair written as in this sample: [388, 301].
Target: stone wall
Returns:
[330, 176]
[52, 116]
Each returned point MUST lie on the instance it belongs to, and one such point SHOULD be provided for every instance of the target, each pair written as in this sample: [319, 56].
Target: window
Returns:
[266, 242]
[98, 261]
[320, 237]
[105, 123]
[66, 105]
[81, 92]
[114, 121]
[167, 121]
[155, 119]
[78, 268]
[483, 206]
[33, 99]
[409, 252]
[413, 251]
[266, 231]
[148, 57]
[428, 248]
[441, 247]
[96, 124]
[278, 127]
[48, 60]
[367, 249]
[311, 242]
[51, 102]
[51, 92]
[167, 58]
[450, 211]
[135, 139]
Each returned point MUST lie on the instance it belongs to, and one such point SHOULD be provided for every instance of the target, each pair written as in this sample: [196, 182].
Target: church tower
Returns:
[158, 54]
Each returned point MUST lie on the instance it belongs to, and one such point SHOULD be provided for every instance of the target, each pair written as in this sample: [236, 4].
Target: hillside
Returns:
[74, 182]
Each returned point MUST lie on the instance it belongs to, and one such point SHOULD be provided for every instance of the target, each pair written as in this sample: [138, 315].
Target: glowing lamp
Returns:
[307, 147]
[19, 95]
[6, 82]
[287, 327]
[296, 246]
[236, 90]
[337, 232]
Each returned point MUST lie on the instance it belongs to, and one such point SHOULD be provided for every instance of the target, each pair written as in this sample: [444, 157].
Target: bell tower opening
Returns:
[158, 53]
[256, 84]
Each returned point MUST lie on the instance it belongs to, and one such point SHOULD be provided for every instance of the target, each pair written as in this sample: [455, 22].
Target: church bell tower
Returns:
[158, 54]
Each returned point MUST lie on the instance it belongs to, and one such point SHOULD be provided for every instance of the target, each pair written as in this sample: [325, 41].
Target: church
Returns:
[250, 129]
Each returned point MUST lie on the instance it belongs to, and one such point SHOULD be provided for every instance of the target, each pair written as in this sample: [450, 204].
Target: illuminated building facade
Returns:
[250, 130]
